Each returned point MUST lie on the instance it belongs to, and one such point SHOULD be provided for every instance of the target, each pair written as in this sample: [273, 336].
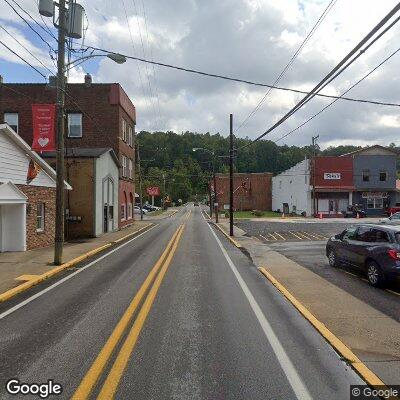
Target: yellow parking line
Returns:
[111, 383]
[312, 235]
[278, 234]
[372, 379]
[273, 237]
[298, 237]
[302, 234]
[90, 379]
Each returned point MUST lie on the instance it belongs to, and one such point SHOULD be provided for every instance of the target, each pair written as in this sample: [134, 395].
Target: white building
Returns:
[291, 190]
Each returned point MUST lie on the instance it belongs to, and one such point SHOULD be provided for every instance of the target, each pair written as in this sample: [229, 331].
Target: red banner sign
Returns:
[153, 191]
[43, 127]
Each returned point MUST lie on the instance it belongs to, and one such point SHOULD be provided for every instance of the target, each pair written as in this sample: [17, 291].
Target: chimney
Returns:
[88, 79]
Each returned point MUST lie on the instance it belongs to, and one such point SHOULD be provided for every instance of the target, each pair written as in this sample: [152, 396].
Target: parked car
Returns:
[375, 249]
[353, 211]
[196, 204]
[393, 210]
[150, 207]
[136, 210]
[392, 220]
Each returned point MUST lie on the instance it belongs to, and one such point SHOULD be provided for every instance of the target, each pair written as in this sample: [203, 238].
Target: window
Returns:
[130, 169]
[130, 136]
[40, 217]
[375, 202]
[124, 162]
[74, 125]
[349, 233]
[124, 130]
[364, 234]
[124, 208]
[130, 206]
[379, 236]
[365, 175]
[12, 120]
[383, 176]
[123, 216]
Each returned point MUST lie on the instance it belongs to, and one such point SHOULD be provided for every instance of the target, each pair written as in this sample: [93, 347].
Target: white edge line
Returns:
[288, 368]
[35, 296]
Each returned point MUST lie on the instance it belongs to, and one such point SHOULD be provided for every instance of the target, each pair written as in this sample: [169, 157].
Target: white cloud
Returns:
[249, 39]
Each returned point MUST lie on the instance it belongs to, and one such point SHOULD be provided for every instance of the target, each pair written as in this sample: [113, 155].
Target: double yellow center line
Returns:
[114, 376]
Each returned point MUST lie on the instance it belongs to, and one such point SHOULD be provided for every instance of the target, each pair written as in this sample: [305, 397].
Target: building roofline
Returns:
[376, 146]
[16, 139]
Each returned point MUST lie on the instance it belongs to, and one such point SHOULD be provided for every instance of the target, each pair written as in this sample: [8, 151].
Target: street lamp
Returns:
[117, 58]
[214, 178]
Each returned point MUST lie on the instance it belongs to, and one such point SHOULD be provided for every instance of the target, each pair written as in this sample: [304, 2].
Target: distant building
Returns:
[252, 191]
[291, 190]
[99, 115]
[375, 175]
[27, 195]
[91, 207]
[365, 177]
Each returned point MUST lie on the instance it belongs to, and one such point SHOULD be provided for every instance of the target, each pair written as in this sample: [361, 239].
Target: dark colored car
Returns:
[352, 212]
[196, 204]
[375, 249]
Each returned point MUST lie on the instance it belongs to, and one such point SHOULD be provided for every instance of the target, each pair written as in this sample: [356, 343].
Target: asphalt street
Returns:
[176, 313]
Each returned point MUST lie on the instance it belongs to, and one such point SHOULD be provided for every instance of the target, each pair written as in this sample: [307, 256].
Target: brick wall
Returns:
[37, 194]
[258, 195]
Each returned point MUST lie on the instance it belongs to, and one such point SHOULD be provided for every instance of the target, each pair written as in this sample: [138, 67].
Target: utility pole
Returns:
[216, 205]
[140, 183]
[163, 202]
[314, 146]
[231, 175]
[59, 228]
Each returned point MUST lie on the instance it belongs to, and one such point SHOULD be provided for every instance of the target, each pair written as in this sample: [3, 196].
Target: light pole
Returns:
[214, 179]
[74, 29]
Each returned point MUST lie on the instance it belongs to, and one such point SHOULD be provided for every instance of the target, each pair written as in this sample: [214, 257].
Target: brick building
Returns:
[98, 115]
[27, 206]
[251, 191]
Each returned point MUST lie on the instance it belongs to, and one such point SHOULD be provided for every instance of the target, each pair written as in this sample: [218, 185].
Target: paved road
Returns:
[208, 326]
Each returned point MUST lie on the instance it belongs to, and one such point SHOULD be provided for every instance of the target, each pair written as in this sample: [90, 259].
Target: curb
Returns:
[233, 241]
[40, 278]
[369, 377]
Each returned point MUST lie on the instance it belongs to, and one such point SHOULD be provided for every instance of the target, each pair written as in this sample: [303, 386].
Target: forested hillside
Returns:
[169, 157]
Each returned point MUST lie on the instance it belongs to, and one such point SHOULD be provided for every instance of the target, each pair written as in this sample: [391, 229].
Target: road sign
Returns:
[153, 191]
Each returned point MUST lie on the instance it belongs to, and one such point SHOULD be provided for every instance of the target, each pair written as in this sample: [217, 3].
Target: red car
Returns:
[391, 210]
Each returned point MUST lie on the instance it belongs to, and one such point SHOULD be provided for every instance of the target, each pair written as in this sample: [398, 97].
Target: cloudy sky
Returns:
[247, 39]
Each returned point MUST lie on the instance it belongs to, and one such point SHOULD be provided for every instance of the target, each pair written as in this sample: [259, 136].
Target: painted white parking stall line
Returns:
[61, 281]
[287, 366]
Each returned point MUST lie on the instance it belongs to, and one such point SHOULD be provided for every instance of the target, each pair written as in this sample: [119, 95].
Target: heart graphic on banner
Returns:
[43, 141]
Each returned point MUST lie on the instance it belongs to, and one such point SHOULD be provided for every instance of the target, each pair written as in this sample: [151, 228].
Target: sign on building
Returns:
[332, 175]
[43, 127]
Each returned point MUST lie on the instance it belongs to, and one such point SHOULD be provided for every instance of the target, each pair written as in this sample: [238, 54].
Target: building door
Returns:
[108, 205]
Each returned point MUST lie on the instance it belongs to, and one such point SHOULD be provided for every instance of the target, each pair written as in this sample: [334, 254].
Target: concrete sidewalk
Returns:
[371, 335]
[39, 261]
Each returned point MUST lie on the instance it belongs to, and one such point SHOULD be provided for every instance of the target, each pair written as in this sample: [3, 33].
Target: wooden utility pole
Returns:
[231, 175]
[60, 195]
[314, 146]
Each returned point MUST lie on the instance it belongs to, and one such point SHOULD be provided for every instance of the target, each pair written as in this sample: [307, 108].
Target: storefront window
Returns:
[375, 202]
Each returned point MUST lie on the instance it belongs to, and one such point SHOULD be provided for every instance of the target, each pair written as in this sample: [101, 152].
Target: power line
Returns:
[133, 47]
[26, 49]
[246, 81]
[144, 55]
[35, 21]
[30, 26]
[23, 59]
[290, 63]
[334, 101]
[152, 59]
[336, 70]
